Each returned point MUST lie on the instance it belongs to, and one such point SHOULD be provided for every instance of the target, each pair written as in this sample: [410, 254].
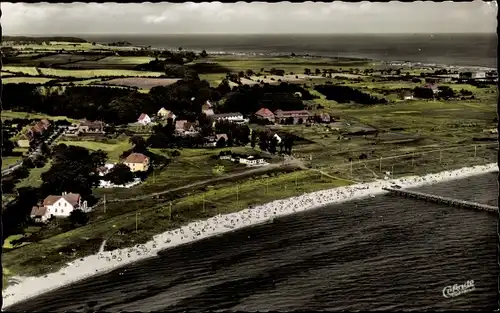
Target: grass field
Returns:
[6, 161]
[124, 60]
[79, 73]
[29, 70]
[81, 82]
[114, 149]
[7, 114]
[193, 165]
[5, 75]
[289, 64]
[34, 179]
[65, 58]
[96, 73]
[27, 80]
[141, 82]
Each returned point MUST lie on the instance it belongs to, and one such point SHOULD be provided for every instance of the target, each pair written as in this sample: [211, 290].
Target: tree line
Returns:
[345, 94]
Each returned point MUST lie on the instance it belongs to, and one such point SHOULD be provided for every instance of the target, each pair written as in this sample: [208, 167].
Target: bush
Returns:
[78, 218]
[21, 173]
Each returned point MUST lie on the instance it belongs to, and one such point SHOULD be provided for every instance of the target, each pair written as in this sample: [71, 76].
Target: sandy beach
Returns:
[103, 262]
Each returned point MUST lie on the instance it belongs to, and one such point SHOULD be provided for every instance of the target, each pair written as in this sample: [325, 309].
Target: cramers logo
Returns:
[457, 290]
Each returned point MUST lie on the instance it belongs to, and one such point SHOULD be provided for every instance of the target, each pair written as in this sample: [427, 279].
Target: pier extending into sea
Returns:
[442, 200]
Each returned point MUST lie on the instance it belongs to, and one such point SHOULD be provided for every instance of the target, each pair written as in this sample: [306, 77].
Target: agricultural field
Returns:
[289, 64]
[26, 80]
[95, 73]
[109, 62]
[10, 160]
[28, 70]
[140, 82]
[66, 58]
[58, 46]
[6, 74]
[83, 82]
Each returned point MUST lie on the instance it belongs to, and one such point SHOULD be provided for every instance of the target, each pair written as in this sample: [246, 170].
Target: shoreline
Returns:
[104, 262]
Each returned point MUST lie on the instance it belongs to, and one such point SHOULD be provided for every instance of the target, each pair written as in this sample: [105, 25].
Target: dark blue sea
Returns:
[382, 253]
[447, 49]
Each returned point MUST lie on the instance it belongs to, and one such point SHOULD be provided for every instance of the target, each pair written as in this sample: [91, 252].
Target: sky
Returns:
[248, 18]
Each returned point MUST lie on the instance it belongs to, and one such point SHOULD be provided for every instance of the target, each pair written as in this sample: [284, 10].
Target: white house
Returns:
[228, 117]
[103, 170]
[58, 206]
[144, 119]
[164, 113]
[252, 161]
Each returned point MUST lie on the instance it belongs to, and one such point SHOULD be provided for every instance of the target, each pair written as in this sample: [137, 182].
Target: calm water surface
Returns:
[382, 253]
[452, 49]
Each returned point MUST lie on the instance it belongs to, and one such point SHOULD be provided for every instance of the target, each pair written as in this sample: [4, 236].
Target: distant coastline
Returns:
[463, 50]
[451, 51]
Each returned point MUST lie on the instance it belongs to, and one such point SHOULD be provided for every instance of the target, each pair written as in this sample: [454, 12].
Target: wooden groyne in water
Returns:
[442, 200]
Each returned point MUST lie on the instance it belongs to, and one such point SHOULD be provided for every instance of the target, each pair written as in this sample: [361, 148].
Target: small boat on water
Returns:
[372, 196]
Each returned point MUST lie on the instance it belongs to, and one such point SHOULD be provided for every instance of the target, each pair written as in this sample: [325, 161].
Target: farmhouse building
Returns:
[103, 170]
[207, 109]
[249, 160]
[58, 206]
[137, 162]
[36, 130]
[91, 127]
[144, 119]
[179, 125]
[166, 114]
[252, 160]
[433, 87]
[324, 118]
[297, 116]
[228, 117]
[265, 114]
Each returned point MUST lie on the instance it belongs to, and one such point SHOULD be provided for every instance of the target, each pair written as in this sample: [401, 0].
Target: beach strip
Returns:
[103, 262]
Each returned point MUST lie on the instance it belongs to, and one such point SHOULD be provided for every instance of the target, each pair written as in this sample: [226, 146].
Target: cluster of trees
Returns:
[185, 97]
[171, 59]
[111, 105]
[248, 99]
[108, 104]
[237, 135]
[444, 92]
[74, 169]
[9, 129]
[267, 141]
[345, 94]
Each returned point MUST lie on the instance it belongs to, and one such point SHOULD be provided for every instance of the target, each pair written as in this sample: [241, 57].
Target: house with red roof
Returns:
[296, 116]
[137, 162]
[265, 114]
[58, 206]
[432, 86]
[144, 119]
